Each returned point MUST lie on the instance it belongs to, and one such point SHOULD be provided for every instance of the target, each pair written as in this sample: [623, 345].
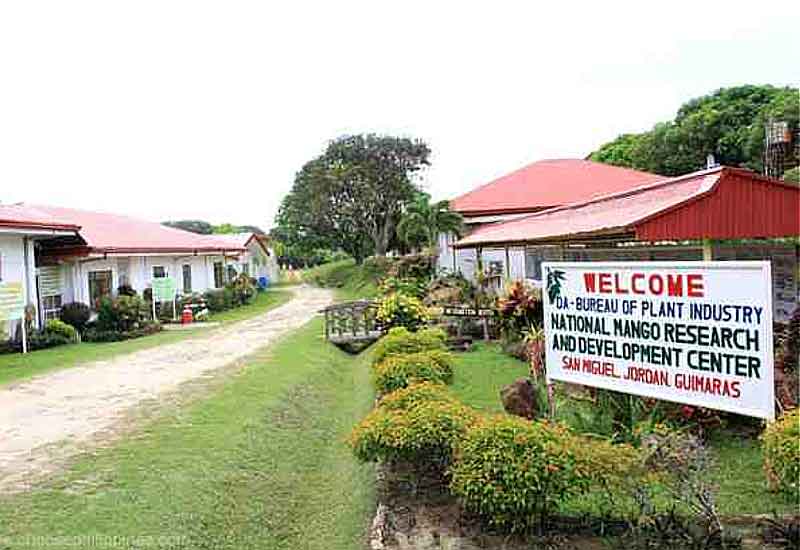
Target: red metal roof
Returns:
[19, 216]
[549, 183]
[721, 203]
[241, 240]
[113, 233]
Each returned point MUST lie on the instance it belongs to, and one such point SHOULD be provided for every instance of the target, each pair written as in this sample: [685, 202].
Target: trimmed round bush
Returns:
[513, 472]
[62, 329]
[412, 428]
[399, 371]
[76, 314]
[402, 310]
[414, 394]
[400, 340]
[781, 445]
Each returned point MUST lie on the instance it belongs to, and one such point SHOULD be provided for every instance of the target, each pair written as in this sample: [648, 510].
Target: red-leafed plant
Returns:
[518, 310]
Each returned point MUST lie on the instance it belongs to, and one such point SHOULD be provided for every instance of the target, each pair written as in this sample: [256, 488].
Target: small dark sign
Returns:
[465, 311]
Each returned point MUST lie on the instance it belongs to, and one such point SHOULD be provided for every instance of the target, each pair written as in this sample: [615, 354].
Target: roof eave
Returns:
[624, 232]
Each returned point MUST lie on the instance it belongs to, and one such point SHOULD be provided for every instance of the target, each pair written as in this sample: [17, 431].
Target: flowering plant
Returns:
[400, 310]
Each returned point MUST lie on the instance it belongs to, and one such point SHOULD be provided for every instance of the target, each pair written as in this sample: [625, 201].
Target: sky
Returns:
[206, 110]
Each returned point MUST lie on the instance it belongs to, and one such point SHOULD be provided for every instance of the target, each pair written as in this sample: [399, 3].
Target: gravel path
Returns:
[46, 419]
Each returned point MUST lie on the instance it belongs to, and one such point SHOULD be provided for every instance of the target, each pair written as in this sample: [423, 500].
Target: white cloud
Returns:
[206, 109]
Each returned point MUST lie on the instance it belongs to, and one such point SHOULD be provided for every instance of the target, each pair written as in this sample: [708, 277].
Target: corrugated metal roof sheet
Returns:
[25, 217]
[110, 233]
[240, 240]
[548, 183]
[665, 210]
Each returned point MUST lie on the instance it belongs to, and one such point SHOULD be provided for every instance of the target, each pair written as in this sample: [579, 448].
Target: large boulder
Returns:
[519, 398]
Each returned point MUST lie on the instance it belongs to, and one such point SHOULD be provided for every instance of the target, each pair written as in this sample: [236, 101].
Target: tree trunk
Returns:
[382, 239]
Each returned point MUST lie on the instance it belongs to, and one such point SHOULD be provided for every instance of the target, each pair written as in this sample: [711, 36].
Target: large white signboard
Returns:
[690, 332]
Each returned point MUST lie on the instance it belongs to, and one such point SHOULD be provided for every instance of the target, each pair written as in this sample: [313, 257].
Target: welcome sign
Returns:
[694, 332]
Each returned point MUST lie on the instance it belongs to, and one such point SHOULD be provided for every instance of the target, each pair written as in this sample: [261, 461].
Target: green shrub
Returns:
[215, 300]
[413, 266]
[414, 394]
[44, 340]
[95, 334]
[121, 314]
[240, 291]
[399, 371]
[402, 310]
[513, 471]
[398, 285]
[423, 433]
[60, 328]
[377, 267]
[55, 333]
[450, 289]
[400, 340]
[76, 314]
[781, 444]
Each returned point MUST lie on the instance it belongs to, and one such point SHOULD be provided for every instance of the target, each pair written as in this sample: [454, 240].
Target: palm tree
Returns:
[422, 222]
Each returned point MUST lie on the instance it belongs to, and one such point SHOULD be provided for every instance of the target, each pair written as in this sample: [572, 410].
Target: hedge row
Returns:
[511, 471]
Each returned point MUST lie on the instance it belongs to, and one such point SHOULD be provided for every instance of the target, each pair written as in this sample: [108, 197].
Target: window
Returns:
[246, 269]
[219, 275]
[159, 272]
[231, 273]
[99, 286]
[533, 264]
[187, 278]
[51, 307]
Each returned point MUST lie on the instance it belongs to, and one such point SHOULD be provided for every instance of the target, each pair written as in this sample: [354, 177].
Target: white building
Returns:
[109, 251]
[22, 230]
[257, 260]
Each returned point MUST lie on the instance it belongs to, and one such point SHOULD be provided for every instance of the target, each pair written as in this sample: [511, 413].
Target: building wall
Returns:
[136, 271]
[259, 263]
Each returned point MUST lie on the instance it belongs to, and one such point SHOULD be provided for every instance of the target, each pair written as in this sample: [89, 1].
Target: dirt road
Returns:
[47, 419]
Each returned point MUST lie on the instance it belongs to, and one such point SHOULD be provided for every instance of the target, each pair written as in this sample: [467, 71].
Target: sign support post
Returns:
[24, 335]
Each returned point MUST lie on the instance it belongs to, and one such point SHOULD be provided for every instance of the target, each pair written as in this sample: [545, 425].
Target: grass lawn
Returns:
[479, 375]
[739, 474]
[259, 462]
[16, 367]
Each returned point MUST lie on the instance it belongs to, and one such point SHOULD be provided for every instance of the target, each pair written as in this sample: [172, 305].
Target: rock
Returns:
[519, 398]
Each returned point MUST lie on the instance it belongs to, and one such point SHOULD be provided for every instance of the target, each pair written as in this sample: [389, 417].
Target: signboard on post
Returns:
[164, 289]
[12, 307]
[698, 333]
[12, 301]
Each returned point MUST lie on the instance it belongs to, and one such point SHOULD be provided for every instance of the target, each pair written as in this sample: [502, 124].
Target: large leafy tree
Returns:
[351, 197]
[423, 221]
[728, 123]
